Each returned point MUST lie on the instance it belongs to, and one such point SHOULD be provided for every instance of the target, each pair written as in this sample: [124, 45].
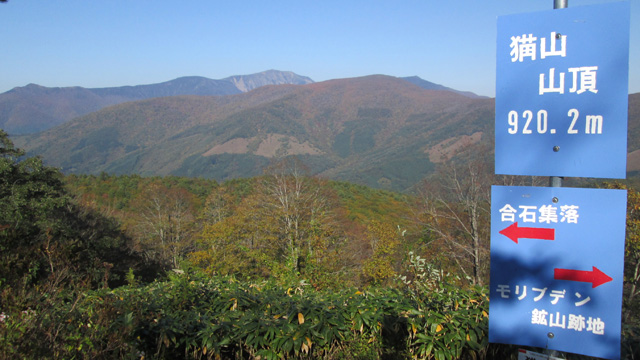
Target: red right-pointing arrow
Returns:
[595, 277]
[514, 233]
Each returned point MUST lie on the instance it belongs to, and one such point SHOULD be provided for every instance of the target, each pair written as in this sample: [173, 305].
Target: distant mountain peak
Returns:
[27, 88]
[246, 83]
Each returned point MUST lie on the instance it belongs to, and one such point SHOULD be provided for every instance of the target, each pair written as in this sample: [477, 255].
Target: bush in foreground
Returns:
[191, 316]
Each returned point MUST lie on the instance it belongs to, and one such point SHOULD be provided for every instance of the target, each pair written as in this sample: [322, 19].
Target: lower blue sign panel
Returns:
[557, 261]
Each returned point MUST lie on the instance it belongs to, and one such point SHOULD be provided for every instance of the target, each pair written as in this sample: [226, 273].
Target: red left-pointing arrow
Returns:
[595, 276]
[514, 233]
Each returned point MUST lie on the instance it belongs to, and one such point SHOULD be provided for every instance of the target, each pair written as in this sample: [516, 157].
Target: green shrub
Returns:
[191, 316]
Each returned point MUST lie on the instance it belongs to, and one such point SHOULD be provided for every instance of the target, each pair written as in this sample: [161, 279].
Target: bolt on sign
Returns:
[562, 92]
[557, 263]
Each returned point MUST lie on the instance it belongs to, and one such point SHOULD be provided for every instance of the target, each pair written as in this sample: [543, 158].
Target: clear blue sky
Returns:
[102, 43]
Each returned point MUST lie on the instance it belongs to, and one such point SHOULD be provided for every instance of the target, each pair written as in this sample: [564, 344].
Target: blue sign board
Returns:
[562, 92]
[557, 259]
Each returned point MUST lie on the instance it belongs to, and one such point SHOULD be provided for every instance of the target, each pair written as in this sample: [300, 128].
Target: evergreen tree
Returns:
[47, 241]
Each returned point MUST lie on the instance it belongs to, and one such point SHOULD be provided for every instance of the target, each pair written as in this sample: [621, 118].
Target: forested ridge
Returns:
[279, 266]
[379, 131]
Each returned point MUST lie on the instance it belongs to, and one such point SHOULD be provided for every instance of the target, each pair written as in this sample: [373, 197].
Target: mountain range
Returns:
[381, 131]
[34, 108]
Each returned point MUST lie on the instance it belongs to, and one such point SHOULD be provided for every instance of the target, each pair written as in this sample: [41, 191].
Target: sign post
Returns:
[557, 254]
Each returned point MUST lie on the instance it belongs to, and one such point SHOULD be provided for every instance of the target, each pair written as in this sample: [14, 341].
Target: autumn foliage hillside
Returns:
[379, 131]
[280, 266]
